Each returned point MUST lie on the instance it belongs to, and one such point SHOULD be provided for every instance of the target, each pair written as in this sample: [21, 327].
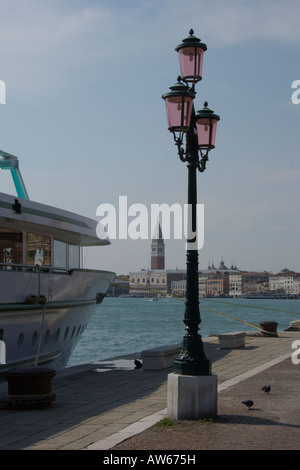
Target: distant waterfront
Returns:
[121, 326]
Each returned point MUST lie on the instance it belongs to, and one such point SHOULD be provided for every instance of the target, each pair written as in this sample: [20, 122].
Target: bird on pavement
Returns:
[248, 403]
[138, 364]
[266, 388]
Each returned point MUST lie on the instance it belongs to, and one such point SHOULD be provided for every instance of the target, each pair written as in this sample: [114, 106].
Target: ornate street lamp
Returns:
[199, 130]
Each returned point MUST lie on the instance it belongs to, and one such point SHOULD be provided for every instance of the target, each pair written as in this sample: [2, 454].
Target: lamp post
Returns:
[199, 130]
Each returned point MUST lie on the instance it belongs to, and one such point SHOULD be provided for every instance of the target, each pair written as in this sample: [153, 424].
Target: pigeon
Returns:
[266, 388]
[138, 364]
[248, 403]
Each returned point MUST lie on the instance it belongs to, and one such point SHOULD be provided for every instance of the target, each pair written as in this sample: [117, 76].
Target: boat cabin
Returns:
[28, 248]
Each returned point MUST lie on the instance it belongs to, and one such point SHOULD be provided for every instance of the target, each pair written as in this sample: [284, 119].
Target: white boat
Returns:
[46, 298]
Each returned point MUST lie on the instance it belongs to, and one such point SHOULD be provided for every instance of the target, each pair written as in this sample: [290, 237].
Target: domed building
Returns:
[222, 266]
[214, 282]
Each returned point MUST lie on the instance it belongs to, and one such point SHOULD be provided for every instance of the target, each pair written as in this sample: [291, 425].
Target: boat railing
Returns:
[32, 268]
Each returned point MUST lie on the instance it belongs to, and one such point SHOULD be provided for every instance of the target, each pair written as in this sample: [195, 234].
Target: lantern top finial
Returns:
[205, 112]
[179, 88]
[191, 40]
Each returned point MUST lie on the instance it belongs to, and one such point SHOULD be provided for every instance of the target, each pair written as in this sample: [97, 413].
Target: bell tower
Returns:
[157, 249]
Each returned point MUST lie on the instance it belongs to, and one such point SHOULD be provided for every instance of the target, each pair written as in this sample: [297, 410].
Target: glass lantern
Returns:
[179, 105]
[191, 53]
[206, 123]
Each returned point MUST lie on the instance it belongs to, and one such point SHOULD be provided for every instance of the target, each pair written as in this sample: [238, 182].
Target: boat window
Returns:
[60, 254]
[74, 256]
[10, 246]
[38, 249]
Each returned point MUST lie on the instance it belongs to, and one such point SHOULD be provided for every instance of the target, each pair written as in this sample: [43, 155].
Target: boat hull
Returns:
[47, 333]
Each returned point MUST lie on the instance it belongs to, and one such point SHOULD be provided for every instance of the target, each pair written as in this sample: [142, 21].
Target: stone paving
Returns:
[104, 405]
[273, 423]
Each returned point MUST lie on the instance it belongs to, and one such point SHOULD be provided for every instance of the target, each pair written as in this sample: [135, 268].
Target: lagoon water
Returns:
[123, 325]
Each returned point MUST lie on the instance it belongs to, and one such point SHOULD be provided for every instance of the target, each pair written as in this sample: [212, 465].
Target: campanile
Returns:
[157, 249]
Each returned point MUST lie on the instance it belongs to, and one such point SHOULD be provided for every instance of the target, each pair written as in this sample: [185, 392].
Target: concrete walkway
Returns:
[108, 404]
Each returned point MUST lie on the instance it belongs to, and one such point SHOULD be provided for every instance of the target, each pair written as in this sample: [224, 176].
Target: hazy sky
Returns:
[84, 114]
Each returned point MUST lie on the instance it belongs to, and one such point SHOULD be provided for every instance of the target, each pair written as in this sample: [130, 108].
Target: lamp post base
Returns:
[192, 397]
[192, 359]
[192, 368]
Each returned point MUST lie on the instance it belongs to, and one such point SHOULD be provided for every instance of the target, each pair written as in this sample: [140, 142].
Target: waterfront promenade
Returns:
[111, 405]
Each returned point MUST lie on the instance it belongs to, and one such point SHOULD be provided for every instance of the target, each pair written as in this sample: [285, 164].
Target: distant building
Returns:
[217, 285]
[297, 286]
[156, 281]
[235, 285]
[247, 282]
[178, 288]
[283, 282]
[214, 282]
[202, 280]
